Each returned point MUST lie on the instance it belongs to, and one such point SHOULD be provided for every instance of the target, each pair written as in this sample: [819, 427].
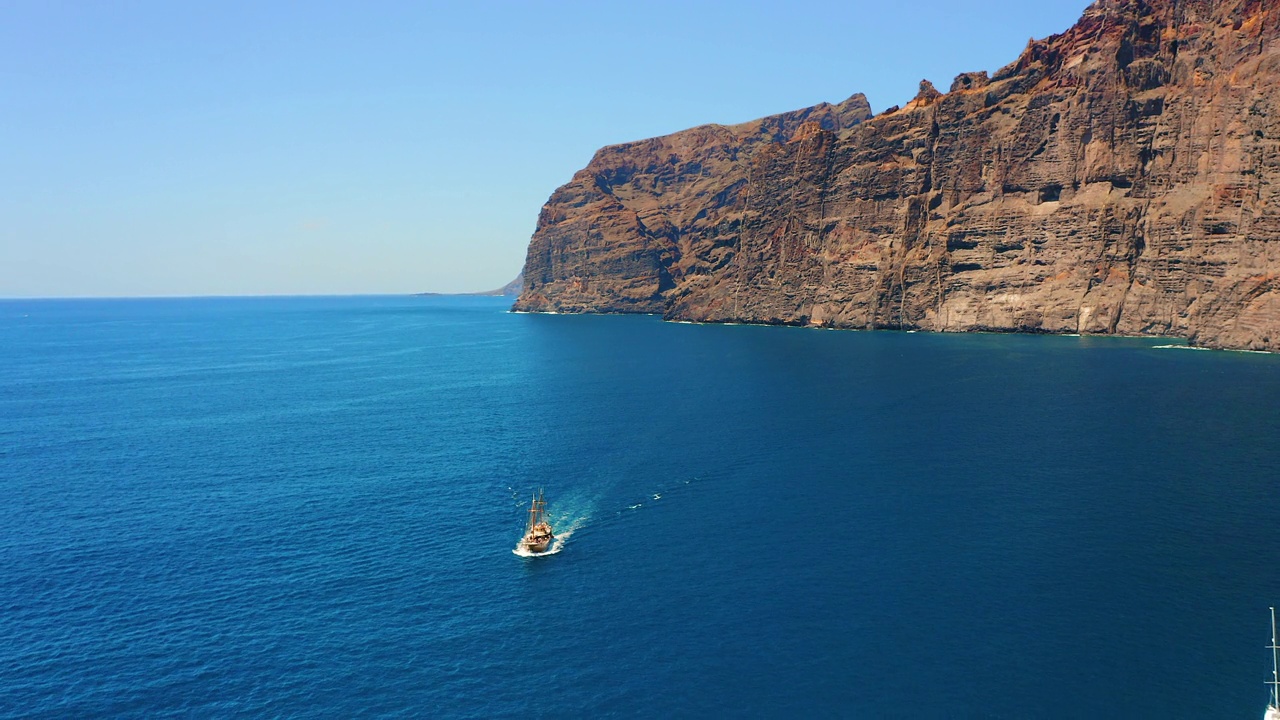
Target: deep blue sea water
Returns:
[306, 507]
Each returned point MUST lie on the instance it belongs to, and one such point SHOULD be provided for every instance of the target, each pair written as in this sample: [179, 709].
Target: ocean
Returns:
[307, 507]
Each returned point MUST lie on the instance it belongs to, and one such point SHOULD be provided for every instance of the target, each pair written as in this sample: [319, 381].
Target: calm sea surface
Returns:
[307, 507]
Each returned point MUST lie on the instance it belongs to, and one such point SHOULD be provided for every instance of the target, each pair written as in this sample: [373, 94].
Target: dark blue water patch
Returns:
[308, 507]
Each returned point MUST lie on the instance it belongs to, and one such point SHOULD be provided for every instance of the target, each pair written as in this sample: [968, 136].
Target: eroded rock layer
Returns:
[1121, 177]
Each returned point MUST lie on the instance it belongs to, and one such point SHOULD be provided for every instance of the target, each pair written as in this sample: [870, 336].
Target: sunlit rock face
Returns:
[1118, 178]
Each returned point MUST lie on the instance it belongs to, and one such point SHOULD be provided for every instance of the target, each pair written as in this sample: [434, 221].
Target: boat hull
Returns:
[535, 547]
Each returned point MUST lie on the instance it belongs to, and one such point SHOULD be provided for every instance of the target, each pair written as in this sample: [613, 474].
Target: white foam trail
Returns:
[664, 489]
[574, 510]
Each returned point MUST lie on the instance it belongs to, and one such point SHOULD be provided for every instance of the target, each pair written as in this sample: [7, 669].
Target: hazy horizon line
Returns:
[247, 296]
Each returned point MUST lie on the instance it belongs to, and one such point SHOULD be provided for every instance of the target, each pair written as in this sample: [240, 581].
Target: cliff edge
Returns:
[1118, 178]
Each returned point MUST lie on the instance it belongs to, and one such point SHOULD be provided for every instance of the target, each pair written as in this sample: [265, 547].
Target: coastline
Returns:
[1186, 343]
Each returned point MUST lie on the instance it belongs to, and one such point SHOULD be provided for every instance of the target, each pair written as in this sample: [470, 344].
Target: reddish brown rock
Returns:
[1121, 177]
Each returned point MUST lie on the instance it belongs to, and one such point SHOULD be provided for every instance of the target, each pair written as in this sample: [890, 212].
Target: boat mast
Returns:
[537, 511]
[1275, 666]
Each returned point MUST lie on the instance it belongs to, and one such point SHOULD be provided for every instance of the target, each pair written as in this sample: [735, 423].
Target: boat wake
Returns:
[669, 487]
[574, 511]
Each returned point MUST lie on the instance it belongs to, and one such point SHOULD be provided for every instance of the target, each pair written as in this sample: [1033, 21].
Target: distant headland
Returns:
[511, 289]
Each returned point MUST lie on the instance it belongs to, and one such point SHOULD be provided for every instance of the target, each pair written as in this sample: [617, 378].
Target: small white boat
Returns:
[1273, 707]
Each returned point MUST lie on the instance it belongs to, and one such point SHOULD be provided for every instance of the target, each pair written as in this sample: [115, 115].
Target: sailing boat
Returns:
[1273, 708]
[537, 534]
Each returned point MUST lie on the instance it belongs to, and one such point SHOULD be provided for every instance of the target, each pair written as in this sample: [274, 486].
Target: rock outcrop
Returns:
[1122, 177]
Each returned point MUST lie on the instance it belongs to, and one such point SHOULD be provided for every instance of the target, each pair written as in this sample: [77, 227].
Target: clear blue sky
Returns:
[216, 148]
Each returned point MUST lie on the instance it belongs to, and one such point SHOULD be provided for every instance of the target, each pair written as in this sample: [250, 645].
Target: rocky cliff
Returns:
[1122, 177]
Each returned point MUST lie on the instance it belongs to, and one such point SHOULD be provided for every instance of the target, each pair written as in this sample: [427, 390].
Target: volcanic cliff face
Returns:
[1121, 177]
